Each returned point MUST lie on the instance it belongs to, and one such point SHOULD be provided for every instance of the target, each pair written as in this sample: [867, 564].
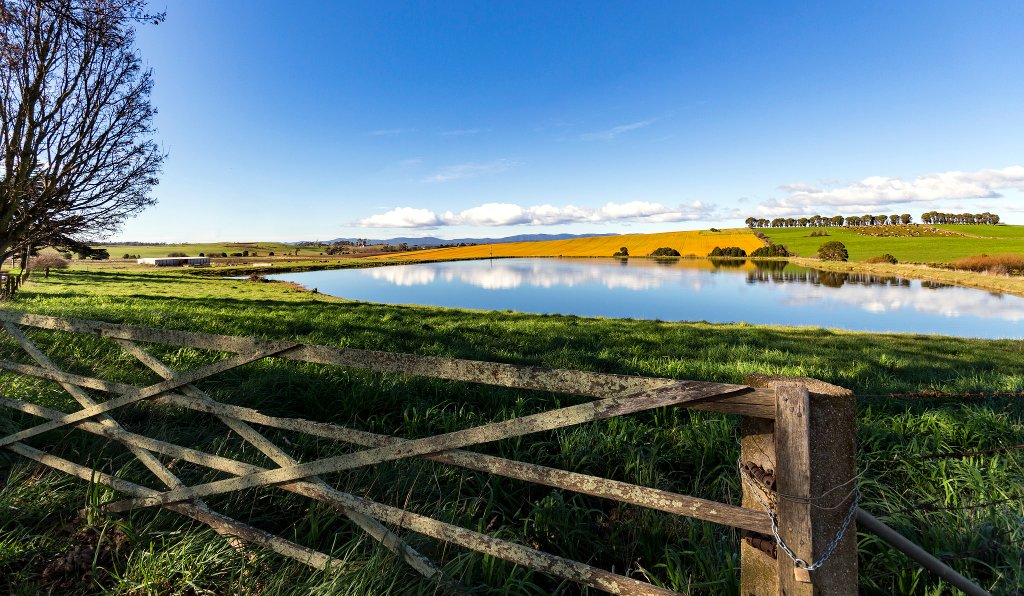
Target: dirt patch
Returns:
[86, 560]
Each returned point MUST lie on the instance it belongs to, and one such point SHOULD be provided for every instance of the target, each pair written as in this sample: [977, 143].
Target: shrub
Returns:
[818, 233]
[623, 252]
[886, 258]
[665, 251]
[728, 251]
[176, 254]
[129, 256]
[236, 254]
[1008, 264]
[833, 251]
[272, 254]
[46, 262]
[773, 250]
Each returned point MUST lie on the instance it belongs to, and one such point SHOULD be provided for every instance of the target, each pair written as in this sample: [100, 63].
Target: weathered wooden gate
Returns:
[797, 462]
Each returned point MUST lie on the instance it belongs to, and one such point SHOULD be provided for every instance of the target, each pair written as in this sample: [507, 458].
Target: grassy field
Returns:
[697, 243]
[678, 450]
[982, 240]
[193, 250]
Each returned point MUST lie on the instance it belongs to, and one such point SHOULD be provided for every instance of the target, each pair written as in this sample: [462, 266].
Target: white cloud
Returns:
[511, 214]
[402, 217]
[611, 133]
[470, 170]
[880, 192]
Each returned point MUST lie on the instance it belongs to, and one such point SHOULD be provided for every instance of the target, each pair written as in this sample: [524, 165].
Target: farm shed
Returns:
[175, 261]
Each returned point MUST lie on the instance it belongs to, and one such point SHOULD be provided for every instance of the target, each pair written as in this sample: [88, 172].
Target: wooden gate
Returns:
[797, 463]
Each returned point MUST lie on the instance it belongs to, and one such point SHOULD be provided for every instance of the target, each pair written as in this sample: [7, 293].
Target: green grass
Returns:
[679, 450]
[193, 249]
[1004, 231]
[997, 239]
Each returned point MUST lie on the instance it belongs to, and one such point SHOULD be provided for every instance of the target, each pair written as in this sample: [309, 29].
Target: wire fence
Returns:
[944, 395]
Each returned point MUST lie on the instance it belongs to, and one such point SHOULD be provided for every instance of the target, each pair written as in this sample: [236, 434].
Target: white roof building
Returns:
[175, 261]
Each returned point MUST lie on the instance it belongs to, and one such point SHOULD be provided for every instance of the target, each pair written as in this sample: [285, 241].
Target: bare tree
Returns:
[76, 142]
[47, 261]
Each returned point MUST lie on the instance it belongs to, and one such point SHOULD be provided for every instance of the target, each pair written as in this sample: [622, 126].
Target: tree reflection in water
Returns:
[728, 263]
[777, 272]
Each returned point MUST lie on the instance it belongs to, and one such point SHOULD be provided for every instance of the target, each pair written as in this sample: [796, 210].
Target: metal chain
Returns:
[775, 525]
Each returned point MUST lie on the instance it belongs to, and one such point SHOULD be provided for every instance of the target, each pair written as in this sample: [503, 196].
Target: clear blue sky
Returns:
[291, 121]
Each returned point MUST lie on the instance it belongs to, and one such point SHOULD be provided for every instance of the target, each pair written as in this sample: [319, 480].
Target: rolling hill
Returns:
[695, 243]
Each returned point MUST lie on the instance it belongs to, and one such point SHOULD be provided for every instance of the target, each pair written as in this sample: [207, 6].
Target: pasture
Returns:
[972, 517]
[695, 243]
[193, 249]
[978, 240]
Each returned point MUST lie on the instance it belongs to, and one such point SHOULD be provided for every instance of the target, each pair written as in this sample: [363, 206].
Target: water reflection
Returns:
[507, 274]
[722, 290]
[829, 279]
[728, 263]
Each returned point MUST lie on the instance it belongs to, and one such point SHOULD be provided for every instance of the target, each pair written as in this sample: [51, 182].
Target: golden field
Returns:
[696, 243]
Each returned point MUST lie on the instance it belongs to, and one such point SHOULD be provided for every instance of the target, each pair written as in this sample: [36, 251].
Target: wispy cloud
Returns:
[511, 214]
[390, 132]
[611, 133]
[470, 170]
[464, 132]
[881, 192]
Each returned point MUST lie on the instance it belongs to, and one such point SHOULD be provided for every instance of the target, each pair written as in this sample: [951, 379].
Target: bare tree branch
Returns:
[76, 146]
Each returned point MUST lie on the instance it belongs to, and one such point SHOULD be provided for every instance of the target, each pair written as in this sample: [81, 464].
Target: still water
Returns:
[772, 293]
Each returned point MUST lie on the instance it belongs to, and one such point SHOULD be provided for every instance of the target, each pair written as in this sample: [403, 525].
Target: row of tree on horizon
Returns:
[819, 221]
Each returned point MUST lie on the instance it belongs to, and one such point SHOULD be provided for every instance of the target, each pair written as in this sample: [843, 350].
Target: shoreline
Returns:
[1002, 284]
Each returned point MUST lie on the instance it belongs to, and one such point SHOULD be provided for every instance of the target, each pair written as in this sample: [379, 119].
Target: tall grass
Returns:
[684, 451]
[1005, 264]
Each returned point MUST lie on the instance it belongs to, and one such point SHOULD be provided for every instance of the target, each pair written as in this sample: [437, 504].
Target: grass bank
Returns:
[687, 452]
[1003, 284]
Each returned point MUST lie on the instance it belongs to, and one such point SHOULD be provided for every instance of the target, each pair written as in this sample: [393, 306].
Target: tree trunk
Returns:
[24, 267]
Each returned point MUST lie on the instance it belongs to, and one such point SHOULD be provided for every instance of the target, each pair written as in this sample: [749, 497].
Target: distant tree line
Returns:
[934, 217]
[819, 221]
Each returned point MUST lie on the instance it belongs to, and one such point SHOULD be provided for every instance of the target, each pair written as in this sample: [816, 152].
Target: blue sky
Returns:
[290, 121]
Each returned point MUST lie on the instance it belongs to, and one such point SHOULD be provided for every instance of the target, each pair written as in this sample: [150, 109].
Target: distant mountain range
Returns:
[431, 241]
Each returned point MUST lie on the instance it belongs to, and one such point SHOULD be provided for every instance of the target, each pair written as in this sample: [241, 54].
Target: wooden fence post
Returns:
[809, 454]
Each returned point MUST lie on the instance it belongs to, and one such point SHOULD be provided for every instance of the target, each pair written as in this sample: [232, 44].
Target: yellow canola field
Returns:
[695, 243]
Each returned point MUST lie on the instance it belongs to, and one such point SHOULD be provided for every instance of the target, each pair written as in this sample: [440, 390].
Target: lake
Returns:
[768, 293]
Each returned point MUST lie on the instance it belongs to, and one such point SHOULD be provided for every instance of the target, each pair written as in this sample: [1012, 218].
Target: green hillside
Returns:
[977, 239]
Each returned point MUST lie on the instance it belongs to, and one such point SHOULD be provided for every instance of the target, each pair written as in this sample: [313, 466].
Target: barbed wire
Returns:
[945, 395]
[932, 507]
[957, 454]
